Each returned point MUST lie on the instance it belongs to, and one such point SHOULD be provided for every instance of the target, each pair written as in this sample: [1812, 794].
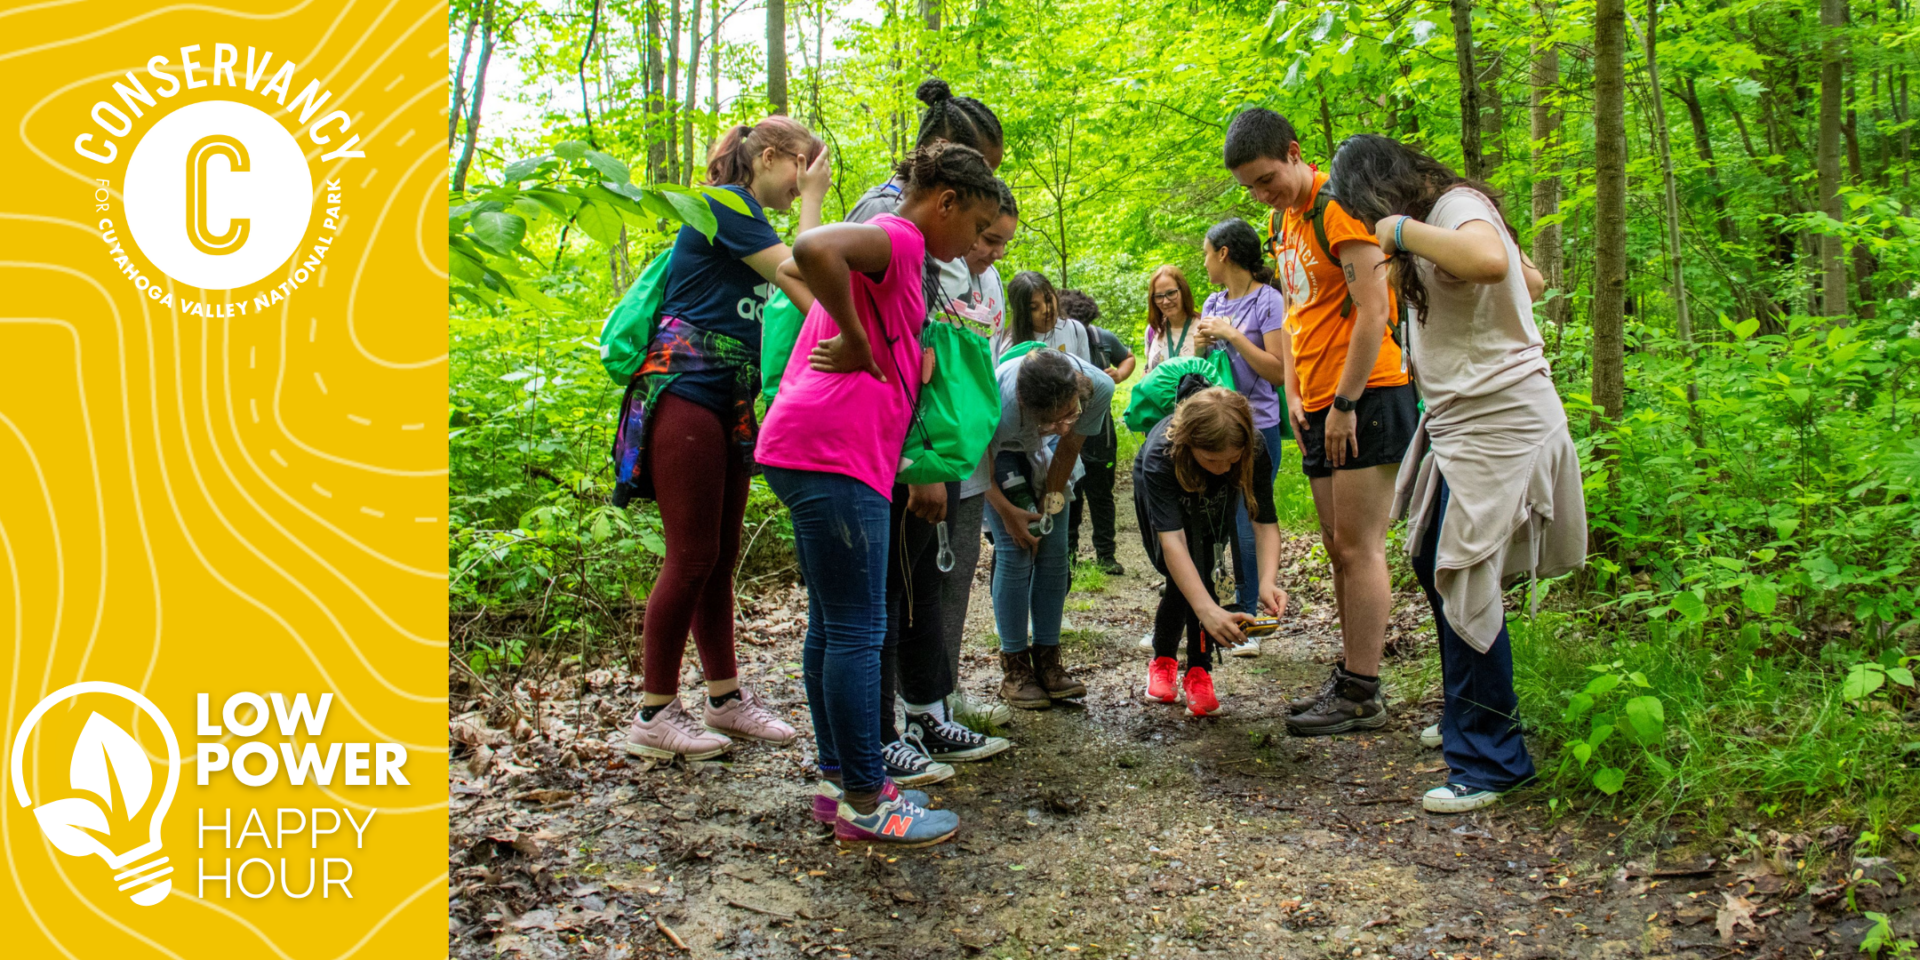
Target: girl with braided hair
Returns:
[830, 450]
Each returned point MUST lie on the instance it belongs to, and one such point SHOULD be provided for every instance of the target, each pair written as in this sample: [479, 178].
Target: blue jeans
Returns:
[1246, 559]
[1479, 723]
[1028, 585]
[840, 540]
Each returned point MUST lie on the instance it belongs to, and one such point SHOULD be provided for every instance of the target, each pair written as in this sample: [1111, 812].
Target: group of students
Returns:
[1315, 351]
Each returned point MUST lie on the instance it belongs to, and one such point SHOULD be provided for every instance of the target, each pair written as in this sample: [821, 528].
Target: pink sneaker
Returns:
[826, 803]
[748, 719]
[673, 732]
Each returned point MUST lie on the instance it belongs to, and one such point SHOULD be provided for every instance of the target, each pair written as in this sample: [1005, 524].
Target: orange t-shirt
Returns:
[1316, 291]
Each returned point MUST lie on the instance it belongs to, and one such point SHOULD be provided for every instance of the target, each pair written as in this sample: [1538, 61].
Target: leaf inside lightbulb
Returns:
[103, 745]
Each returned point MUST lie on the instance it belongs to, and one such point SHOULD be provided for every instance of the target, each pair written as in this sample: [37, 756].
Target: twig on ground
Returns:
[763, 911]
[670, 935]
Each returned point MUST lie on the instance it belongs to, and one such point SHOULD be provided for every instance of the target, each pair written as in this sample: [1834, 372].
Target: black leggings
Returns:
[1175, 613]
[913, 657]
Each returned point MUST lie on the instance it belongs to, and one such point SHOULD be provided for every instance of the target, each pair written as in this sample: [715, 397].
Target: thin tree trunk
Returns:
[1326, 120]
[1703, 145]
[460, 77]
[593, 33]
[1864, 263]
[1833, 272]
[930, 13]
[1493, 116]
[673, 91]
[1544, 122]
[1610, 207]
[656, 81]
[1662, 142]
[1469, 88]
[777, 54]
[479, 95]
[693, 84]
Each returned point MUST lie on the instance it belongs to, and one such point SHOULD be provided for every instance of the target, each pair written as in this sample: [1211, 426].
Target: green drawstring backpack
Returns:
[958, 410]
[1155, 396]
[780, 325]
[631, 325]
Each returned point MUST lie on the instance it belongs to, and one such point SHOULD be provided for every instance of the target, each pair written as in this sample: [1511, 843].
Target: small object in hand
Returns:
[1260, 627]
[944, 560]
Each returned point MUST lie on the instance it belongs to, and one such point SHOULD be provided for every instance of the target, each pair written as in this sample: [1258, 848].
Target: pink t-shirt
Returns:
[851, 423]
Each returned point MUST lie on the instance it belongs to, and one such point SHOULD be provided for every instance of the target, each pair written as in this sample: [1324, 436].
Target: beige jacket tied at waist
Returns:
[1515, 503]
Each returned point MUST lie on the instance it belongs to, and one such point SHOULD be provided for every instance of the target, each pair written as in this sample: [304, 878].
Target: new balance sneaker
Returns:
[1249, 647]
[1301, 705]
[968, 712]
[1162, 675]
[947, 742]
[895, 823]
[1430, 737]
[746, 718]
[1199, 688]
[826, 801]
[673, 732]
[908, 765]
[1353, 704]
[1457, 798]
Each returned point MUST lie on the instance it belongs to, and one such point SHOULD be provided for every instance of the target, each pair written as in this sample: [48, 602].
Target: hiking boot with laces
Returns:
[948, 742]
[1161, 674]
[1018, 685]
[826, 801]
[673, 732]
[1198, 684]
[1052, 676]
[894, 823]
[746, 718]
[1301, 705]
[908, 764]
[1353, 704]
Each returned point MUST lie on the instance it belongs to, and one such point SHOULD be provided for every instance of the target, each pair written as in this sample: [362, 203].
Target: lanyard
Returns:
[1182, 341]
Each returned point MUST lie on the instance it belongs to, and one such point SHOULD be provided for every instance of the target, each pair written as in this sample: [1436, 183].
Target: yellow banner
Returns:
[223, 480]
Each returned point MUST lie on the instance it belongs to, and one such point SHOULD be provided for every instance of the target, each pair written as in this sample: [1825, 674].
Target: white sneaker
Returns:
[1146, 642]
[1454, 798]
[1430, 737]
[1249, 648]
[971, 713]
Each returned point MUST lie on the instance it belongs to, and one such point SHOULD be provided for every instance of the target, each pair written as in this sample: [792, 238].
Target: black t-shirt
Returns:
[710, 286]
[1107, 351]
[1207, 515]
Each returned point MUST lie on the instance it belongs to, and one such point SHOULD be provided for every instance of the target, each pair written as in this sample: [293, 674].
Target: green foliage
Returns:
[1641, 719]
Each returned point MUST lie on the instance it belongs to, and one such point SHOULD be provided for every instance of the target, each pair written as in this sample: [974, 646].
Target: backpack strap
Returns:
[1318, 218]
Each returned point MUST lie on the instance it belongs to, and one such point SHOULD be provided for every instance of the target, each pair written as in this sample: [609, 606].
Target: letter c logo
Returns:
[198, 231]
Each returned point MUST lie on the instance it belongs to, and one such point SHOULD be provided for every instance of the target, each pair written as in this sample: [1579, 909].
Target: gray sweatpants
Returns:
[956, 586]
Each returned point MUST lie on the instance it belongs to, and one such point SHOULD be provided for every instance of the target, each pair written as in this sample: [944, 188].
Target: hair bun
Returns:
[933, 91]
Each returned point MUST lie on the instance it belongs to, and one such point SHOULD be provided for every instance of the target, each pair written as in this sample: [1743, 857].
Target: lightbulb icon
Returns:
[105, 756]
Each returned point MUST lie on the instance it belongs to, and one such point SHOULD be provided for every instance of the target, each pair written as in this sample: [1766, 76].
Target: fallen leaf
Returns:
[1737, 913]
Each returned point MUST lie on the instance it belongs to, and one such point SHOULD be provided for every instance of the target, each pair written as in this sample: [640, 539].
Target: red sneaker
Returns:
[1160, 677]
[1200, 699]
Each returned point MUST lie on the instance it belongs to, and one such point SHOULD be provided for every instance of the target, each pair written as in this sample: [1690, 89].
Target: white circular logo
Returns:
[218, 194]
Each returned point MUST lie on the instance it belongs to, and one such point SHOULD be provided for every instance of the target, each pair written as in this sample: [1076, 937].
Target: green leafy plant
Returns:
[1626, 729]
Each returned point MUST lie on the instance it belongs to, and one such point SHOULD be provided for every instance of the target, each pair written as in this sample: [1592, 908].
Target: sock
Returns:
[830, 774]
[733, 694]
[1359, 676]
[647, 713]
[938, 709]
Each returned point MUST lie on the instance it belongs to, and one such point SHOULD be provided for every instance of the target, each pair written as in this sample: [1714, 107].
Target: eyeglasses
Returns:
[1065, 421]
[1167, 295]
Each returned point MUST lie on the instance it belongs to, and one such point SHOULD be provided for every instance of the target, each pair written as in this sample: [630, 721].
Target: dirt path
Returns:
[1113, 829]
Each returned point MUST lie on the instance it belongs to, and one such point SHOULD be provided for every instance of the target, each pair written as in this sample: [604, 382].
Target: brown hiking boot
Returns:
[1301, 705]
[1018, 686]
[1353, 704]
[1054, 677]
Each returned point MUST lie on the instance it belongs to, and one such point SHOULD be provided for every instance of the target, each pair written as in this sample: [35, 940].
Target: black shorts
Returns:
[1386, 418]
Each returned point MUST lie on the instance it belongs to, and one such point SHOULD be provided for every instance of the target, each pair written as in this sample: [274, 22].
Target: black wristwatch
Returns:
[1342, 404]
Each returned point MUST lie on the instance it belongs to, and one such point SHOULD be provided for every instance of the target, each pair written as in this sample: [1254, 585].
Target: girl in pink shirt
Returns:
[830, 449]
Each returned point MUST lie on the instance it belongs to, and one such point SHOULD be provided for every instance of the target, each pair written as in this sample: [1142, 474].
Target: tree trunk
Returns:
[693, 85]
[673, 92]
[656, 80]
[777, 54]
[1676, 245]
[586, 104]
[1326, 120]
[1493, 116]
[460, 78]
[1833, 272]
[1703, 145]
[1469, 89]
[930, 13]
[1610, 206]
[479, 94]
[1864, 262]
[1545, 134]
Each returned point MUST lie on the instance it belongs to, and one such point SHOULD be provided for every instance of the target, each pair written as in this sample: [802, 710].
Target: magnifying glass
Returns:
[944, 559]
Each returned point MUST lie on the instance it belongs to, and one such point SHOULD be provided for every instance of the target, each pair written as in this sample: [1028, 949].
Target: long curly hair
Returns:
[1215, 420]
[1376, 177]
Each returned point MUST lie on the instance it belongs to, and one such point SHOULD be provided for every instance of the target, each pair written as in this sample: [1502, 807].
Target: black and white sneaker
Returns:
[1457, 798]
[909, 765]
[951, 742]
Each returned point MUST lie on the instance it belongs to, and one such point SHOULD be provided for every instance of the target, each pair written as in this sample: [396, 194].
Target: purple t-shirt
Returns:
[1261, 310]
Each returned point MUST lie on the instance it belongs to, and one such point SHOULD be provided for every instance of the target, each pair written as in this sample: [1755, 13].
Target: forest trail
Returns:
[1116, 828]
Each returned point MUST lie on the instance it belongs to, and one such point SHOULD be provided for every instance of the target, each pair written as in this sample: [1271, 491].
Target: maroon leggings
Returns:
[700, 483]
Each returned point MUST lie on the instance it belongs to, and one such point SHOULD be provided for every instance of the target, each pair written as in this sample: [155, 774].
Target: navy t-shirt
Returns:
[710, 286]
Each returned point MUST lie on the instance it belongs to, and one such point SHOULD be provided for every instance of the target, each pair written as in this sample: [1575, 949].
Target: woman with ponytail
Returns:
[1240, 317]
[691, 408]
